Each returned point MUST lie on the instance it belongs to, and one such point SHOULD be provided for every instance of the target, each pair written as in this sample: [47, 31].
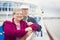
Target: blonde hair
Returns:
[16, 9]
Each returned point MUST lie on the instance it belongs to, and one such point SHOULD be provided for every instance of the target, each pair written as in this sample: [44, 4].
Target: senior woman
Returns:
[17, 29]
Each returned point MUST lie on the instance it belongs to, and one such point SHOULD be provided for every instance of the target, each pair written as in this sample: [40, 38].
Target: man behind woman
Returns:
[17, 28]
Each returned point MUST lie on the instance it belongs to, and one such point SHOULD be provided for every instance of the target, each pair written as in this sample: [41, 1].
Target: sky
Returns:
[50, 7]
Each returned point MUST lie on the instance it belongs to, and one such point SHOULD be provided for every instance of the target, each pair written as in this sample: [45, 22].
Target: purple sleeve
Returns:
[34, 27]
[11, 32]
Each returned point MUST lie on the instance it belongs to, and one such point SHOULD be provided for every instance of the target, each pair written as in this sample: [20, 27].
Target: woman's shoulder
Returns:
[23, 21]
[8, 21]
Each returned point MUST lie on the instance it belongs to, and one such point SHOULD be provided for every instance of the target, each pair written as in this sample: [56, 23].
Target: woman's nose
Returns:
[20, 15]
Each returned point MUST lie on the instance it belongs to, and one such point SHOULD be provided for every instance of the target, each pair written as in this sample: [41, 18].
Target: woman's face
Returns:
[18, 15]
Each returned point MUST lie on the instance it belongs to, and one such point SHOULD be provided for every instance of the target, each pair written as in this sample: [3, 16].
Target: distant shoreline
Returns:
[51, 17]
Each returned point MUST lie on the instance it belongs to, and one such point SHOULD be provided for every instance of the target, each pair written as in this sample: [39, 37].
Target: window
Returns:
[6, 8]
[0, 8]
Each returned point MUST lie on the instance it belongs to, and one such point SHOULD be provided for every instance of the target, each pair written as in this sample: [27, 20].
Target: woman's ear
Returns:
[13, 13]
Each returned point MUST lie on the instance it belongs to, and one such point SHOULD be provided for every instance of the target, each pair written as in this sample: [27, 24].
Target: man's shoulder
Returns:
[30, 17]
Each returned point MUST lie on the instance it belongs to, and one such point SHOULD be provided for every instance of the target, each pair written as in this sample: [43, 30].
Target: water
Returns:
[53, 26]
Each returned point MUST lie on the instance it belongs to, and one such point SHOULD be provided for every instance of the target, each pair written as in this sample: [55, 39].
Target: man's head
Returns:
[25, 10]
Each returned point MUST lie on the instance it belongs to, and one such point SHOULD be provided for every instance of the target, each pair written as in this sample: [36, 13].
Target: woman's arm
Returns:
[33, 26]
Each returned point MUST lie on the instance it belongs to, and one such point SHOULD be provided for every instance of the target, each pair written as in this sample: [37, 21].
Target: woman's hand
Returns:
[27, 35]
[28, 29]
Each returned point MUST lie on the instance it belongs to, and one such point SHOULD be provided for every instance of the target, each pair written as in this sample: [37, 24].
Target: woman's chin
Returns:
[19, 19]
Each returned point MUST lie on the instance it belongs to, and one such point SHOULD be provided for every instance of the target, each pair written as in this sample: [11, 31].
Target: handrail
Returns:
[49, 34]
